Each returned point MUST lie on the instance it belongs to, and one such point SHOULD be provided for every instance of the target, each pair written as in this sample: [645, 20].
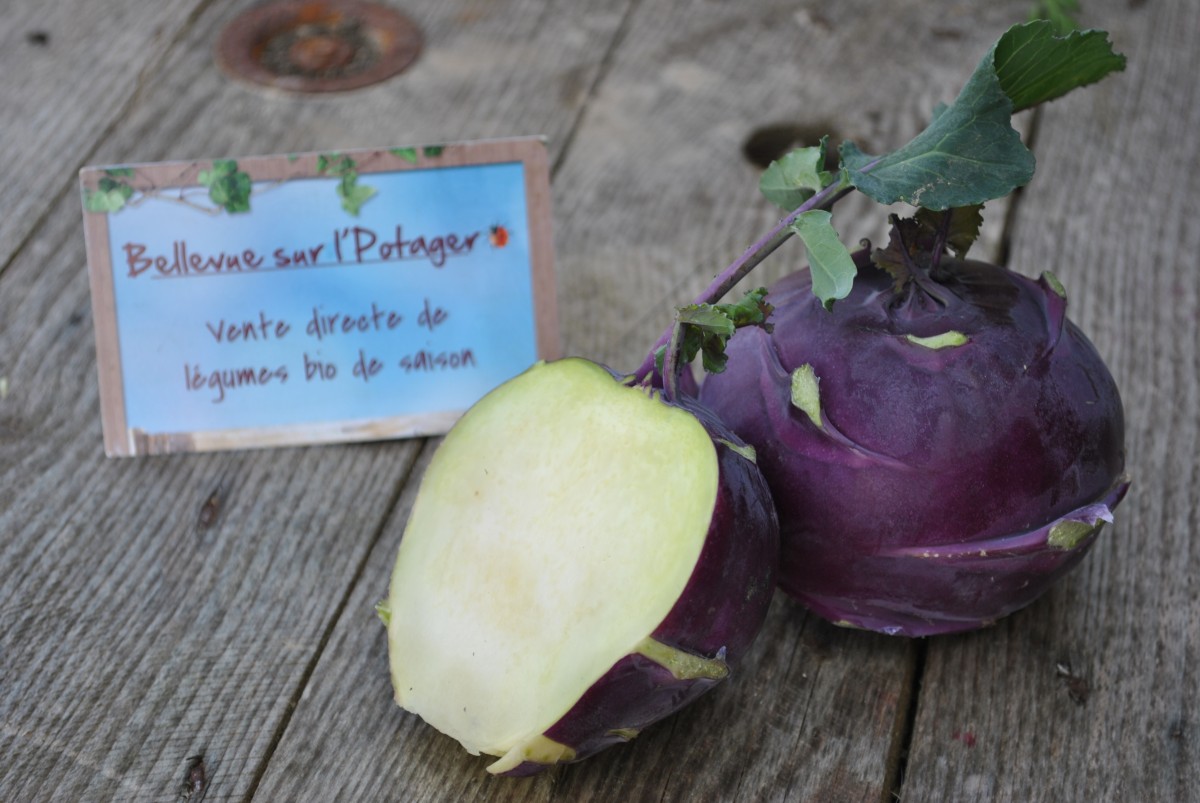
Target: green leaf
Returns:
[795, 177]
[705, 329]
[956, 228]
[433, 151]
[706, 317]
[752, 310]
[407, 154]
[228, 187]
[830, 263]
[1058, 12]
[104, 201]
[107, 185]
[354, 196]
[906, 244]
[120, 172]
[969, 154]
[334, 164]
[1034, 65]
[221, 169]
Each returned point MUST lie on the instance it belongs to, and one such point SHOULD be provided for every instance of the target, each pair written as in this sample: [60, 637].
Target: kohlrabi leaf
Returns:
[969, 154]
[829, 261]
[752, 310]
[899, 257]
[918, 243]
[1058, 12]
[707, 318]
[955, 229]
[706, 328]
[1034, 65]
[795, 177]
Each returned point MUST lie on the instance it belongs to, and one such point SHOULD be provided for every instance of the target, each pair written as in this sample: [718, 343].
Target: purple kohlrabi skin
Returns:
[950, 477]
[716, 618]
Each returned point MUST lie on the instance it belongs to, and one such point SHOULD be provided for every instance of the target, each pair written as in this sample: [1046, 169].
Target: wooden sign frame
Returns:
[221, 188]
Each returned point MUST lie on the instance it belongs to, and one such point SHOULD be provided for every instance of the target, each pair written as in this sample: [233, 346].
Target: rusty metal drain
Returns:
[318, 45]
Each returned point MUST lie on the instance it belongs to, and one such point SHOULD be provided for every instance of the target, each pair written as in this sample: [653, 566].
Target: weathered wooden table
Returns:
[201, 626]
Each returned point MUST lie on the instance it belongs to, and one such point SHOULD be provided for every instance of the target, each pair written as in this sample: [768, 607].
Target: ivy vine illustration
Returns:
[229, 188]
[352, 194]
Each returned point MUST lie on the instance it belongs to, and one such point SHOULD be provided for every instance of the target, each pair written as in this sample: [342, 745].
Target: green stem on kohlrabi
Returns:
[967, 155]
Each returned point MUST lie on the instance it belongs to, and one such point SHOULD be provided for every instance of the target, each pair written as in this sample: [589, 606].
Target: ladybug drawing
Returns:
[498, 236]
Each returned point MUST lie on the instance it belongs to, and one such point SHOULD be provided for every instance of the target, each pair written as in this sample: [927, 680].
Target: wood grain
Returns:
[1091, 693]
[71, 68]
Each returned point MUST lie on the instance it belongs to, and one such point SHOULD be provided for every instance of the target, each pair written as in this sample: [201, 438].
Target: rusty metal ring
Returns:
[318, 45]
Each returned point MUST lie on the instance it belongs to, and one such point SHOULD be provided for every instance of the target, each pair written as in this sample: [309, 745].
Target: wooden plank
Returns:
[654, 197]
[159, 617]
[505, 69]
[1091, 693]
[52, 118]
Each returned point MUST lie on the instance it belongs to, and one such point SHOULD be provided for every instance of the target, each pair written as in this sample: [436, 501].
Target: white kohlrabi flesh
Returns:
[582, 559]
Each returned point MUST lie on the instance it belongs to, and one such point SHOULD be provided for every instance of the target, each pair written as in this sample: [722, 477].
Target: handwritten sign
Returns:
[315, 297]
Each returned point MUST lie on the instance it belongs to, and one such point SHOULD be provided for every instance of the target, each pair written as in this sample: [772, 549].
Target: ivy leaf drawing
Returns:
[111, 195]
[228, 187]
[352, 194]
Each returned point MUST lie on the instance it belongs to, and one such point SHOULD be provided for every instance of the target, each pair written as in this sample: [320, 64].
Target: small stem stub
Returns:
[672, 365]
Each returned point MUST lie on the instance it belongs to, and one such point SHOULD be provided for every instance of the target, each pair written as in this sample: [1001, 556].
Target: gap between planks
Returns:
[131, 102]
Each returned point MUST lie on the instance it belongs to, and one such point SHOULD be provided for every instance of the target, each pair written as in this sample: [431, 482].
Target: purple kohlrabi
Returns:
[940, 449]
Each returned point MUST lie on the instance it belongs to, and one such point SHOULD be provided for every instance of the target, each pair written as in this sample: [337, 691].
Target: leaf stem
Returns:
[672, 365]
[748, 261]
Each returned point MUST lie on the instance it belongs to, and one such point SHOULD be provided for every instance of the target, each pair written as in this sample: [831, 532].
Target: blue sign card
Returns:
[315, 297]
